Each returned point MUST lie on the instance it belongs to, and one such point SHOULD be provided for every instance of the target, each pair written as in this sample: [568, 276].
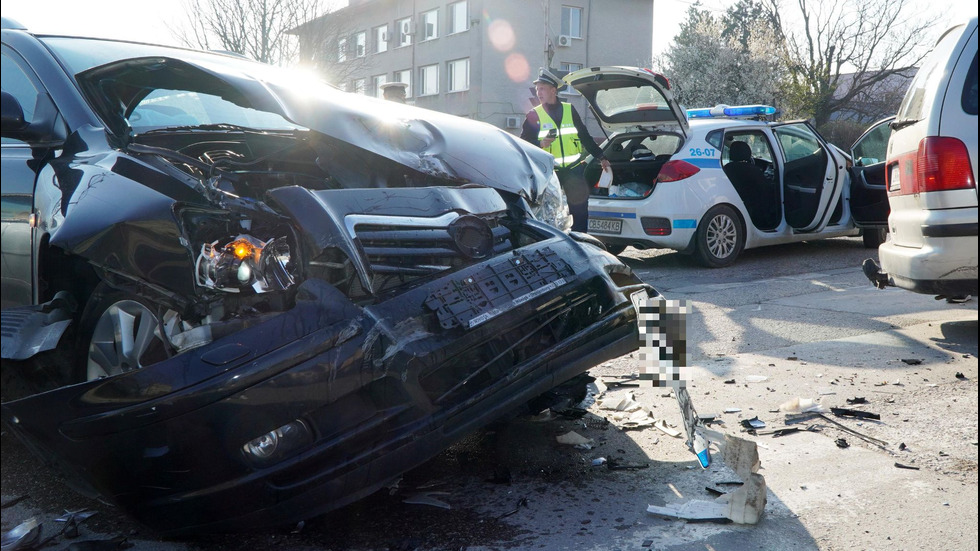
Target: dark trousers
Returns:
[577, 192]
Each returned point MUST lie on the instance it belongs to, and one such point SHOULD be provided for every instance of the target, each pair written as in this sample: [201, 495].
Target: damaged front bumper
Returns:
[329, 401]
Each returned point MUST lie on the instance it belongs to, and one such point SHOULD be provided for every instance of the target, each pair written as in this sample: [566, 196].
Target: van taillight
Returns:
[673, 171]
[942, 163]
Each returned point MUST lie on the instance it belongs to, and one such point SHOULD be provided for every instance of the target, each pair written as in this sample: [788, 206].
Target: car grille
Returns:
[399, 250]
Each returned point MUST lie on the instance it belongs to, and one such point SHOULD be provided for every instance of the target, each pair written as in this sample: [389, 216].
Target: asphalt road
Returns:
[796, 321]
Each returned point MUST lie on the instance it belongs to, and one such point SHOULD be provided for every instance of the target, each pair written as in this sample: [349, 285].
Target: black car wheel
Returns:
[873, 237]
[720, 237]
[120, 332]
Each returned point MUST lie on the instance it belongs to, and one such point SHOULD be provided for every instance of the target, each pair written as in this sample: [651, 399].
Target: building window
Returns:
[357, 86]
[571, 21]
[360, 44]
[404, 27]
[406, 77]
[428, 80]
[568, 68]
[378, 81]
[430, 25]
[459, 75]
[342, 50]
[459, 19]
[381, 39]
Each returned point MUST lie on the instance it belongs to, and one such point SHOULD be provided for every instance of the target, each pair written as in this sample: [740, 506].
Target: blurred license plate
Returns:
[605, 226]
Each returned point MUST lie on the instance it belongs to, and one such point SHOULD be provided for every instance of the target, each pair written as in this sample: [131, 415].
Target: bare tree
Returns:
[258, 29]
[329, 44]
[845, 52]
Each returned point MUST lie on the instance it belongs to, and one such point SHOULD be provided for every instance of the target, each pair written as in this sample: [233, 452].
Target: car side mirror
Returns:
[11, 116]
[47, 127]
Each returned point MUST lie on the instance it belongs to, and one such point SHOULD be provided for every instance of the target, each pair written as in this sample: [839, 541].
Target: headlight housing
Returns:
[552, 206]
[245, 262]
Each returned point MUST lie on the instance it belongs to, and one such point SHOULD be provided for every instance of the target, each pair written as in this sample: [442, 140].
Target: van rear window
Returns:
[969, 97]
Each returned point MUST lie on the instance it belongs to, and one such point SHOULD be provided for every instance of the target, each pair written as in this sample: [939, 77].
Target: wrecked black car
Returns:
[275, 297]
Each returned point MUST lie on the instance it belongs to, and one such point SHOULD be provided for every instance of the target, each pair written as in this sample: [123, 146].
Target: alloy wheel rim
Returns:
[126, 337]
[721, 236]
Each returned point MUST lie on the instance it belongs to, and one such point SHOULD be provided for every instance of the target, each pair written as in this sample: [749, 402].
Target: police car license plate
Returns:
[603, 225]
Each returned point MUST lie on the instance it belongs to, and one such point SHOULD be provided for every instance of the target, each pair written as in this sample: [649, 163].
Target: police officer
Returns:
[394, 91]
[556, 127]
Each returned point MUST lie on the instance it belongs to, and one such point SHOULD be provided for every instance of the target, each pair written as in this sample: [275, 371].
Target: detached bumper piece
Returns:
[329, 401]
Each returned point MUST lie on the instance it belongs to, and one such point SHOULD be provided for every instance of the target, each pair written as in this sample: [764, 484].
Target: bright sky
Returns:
[152, 21]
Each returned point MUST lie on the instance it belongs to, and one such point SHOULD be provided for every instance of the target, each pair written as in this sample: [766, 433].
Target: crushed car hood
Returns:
[430, 142]
[629, 99]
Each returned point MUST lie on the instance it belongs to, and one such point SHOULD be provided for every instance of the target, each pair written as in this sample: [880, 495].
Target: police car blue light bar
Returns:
[731, 111]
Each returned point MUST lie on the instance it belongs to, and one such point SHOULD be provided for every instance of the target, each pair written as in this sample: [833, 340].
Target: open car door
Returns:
[813, 176]
[869, 195]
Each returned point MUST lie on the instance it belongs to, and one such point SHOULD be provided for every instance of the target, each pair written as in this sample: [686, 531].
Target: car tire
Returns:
[874, 237]
[720, 237]
[119, 332]
[615, 249]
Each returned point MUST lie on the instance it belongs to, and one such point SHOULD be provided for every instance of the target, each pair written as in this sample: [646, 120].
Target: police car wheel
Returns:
[720, 237]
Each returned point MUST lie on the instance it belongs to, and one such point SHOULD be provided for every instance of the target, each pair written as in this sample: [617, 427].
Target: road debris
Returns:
[520, 503]
[960, 376]
[666, 429]
[880, 443]
[756, 378]
[842, 443]
[912, 361]
[753, 423]
[13, 501]
[615, 464]
[23, 536]
[855, 413]
[427, 498]
[733, 410]
[857, 400]
[745, 505]
[118, 542]
[801, 405]
[573, 438]
[910, 467]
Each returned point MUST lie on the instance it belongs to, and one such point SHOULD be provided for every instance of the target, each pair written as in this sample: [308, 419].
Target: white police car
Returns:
[712, 182]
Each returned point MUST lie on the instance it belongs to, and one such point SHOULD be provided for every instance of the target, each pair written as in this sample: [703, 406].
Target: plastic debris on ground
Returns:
[573, 438]
[801, 405]
[745, 505]
[23, 536]
[427, 498]
[857, 414]
[753, 423]
[756, 378]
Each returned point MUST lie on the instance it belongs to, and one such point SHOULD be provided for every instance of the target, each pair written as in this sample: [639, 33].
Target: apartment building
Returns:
[475, 58]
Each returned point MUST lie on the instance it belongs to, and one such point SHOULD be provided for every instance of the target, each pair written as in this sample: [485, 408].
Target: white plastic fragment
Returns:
[801, 405]
[573, 438]
[662, 425]
[756, 378]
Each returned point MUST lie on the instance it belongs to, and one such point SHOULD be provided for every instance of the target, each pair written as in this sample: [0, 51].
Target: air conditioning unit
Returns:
[564, 41]
[513, 122]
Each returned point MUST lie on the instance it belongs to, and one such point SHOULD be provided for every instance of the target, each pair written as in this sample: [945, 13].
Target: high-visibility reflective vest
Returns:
[567, 147]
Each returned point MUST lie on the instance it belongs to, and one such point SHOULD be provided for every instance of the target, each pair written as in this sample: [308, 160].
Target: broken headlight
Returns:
[245, 262]
[552, 206]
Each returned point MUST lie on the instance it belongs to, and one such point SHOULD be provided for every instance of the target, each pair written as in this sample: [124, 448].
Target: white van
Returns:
[931, 174]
